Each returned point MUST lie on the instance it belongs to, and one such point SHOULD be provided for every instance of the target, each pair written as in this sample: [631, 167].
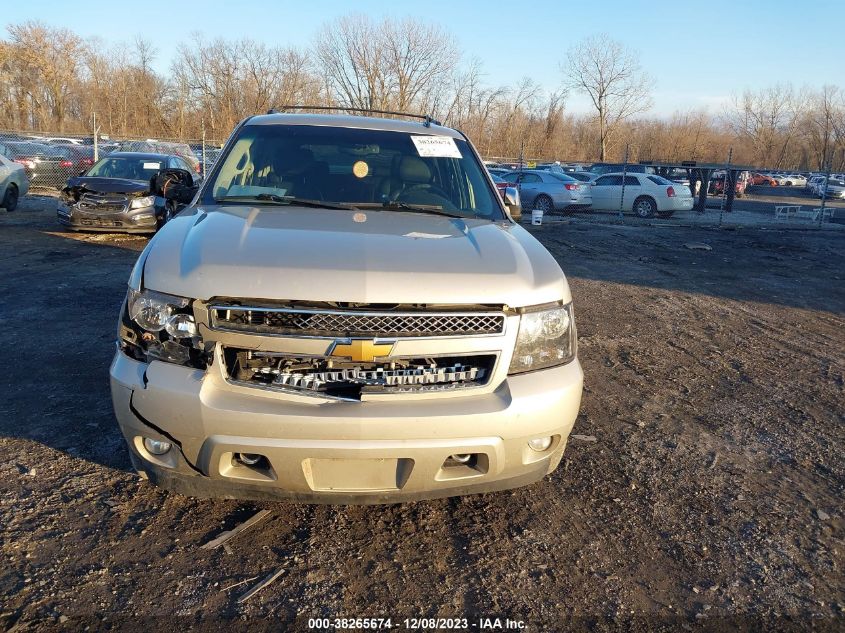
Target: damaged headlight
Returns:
[140, 203]
[546, 338]
[158, 326]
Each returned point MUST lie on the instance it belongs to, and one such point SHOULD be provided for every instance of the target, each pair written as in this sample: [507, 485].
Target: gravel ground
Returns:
[710, 498]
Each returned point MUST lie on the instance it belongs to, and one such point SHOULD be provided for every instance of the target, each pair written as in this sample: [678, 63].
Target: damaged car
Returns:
[115, 194]
[345, 312]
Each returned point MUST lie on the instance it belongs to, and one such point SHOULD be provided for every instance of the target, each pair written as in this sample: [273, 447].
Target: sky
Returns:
[696, 61]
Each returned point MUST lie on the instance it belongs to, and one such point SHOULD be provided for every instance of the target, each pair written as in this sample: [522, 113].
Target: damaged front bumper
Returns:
[339, 452]
[126, 220]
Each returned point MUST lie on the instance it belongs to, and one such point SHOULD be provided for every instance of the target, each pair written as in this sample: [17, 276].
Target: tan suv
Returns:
[345, 313]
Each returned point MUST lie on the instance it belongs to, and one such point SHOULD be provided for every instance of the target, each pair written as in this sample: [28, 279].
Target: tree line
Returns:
[53, 80]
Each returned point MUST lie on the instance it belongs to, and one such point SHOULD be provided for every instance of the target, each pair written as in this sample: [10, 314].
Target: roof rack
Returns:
[426, 118]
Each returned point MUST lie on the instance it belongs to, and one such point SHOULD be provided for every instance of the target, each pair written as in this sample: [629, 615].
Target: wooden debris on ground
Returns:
[229, 534]
[256, 588]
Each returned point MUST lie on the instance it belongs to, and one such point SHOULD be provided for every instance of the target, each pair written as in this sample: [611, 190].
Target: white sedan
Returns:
[791, 180]
[645, 195]
[13, 183]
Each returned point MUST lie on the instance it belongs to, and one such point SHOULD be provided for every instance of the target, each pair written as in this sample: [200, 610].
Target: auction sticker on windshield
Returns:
[152, 165]
[436, 147]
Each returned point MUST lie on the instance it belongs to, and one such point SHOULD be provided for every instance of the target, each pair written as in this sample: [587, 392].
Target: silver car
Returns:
[835, 189]
[550, 191]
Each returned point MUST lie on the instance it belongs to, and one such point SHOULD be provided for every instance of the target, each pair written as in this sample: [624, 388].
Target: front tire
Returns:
[644, 207]
[10, 200]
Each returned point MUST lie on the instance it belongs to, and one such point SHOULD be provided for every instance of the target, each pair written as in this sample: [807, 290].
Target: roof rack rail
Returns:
[426, 118]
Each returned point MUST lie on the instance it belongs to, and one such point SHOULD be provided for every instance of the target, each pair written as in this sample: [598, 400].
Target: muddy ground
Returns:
[711, 498]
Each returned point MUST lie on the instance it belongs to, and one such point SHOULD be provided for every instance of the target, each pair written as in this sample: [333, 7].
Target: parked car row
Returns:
[827, 187]
[643, 194]
[49, 161]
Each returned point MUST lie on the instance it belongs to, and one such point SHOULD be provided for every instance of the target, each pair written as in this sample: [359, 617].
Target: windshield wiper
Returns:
[431, 209]
[288, 201]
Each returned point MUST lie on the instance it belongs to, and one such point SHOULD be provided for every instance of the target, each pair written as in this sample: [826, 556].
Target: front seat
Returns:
[416, 187]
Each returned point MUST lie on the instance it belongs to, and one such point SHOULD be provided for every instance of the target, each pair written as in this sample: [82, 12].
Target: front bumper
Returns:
[340, 452]
[140, 220]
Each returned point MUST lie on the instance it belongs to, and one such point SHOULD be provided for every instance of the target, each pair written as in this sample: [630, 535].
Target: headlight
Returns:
[139, 203]
[158, 326]
[546, 338]
[152, 310]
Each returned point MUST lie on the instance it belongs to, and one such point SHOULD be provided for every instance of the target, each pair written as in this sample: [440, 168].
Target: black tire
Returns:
[644, 207]
[166, 215]
[545, 203]
[788, 183]
[10, 200]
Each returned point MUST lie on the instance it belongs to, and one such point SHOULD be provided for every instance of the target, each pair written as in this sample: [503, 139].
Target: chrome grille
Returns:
[344, 324]
[327, 377]
[384, 377]
[101, 203]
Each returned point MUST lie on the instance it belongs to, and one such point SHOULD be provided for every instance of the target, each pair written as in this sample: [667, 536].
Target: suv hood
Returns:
[296, 254]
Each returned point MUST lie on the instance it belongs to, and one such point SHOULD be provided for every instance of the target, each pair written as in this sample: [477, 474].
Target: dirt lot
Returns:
[711, 497]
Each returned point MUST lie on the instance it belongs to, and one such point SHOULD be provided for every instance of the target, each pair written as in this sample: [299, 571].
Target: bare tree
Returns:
[223, 81]
[391, 65]
[823, 125]
[611, 76]
[767, 119]
[46, 64]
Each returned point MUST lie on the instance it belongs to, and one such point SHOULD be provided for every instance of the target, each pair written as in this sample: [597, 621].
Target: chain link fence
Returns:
[49, 159]
[680, 193]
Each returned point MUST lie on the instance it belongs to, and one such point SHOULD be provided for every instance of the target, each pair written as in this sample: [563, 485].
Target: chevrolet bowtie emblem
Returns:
[361, 350]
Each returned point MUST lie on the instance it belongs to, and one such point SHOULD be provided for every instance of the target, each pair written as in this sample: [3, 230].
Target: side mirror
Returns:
[174, 184]
[513, 203]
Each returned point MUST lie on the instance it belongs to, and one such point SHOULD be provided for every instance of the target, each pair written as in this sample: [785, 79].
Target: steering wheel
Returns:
[425, 188]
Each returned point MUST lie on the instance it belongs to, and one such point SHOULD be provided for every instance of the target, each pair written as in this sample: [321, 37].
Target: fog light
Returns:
[156, 447]
[462, 458]
[540, 444]
[249, 459]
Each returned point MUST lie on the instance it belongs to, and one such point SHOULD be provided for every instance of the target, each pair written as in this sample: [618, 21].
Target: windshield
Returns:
[563, 177]
[125, 167]
[353, 167]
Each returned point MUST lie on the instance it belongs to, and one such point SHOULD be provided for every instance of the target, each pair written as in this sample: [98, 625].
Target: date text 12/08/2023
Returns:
[412, 624]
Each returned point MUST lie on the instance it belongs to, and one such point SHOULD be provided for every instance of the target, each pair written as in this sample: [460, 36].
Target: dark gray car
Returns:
[115, 194]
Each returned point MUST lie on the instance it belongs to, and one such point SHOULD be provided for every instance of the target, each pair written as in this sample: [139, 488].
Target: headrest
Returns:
[413, 169]
[292, 158]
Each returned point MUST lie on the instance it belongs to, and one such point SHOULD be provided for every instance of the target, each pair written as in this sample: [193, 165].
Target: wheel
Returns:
[544, 203]
[10, 200]
[788, 183]
[644, 207]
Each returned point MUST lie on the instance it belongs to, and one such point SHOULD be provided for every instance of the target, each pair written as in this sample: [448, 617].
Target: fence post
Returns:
[728, 181]
[202, 167]
[824, 189]
[96, 150]
[624, 175]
